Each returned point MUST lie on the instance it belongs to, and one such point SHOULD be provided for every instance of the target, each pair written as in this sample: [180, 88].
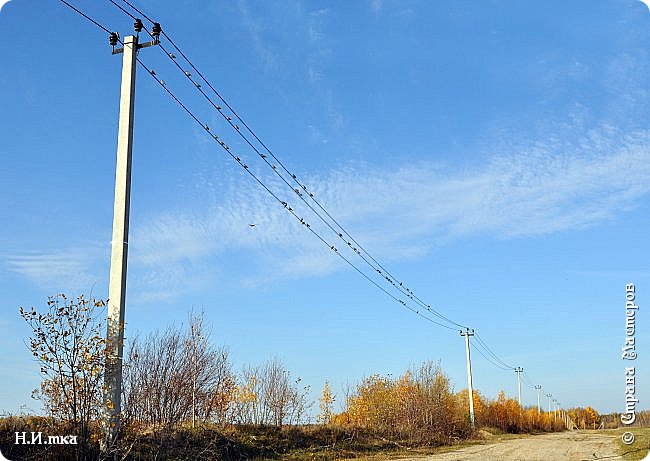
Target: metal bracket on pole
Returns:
[154, 42]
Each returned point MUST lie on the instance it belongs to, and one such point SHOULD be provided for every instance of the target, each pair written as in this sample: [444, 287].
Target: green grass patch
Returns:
[639, 448]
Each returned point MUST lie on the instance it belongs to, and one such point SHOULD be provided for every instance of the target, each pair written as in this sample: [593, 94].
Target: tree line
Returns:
[178, 377]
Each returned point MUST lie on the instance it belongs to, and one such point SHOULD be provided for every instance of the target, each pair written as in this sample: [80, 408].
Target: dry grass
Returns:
[295, 443]
[309, 442]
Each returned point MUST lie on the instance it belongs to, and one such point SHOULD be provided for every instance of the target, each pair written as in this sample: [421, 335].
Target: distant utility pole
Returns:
[554, 410]
[538, 388]
[518, 370]
[195, 337]
[119, 246]
[549, 402]
[467, 333]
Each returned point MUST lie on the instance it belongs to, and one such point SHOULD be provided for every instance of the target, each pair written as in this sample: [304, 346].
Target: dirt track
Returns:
[566, 446]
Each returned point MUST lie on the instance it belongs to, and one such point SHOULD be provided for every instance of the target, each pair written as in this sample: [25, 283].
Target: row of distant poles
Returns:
[119, 246]
[120, 241]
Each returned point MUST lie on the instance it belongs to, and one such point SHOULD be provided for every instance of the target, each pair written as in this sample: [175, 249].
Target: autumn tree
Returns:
[585, 418]
[326, 403]
[419, 405]
[67, 343]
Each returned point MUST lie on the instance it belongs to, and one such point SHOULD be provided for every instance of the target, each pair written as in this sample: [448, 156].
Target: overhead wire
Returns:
[529, 380]
[340, 231]
[474, 345]
[259, 181]
[105, 29]
[123, 10]
[490, 357]
[489, 351]
[282, 202]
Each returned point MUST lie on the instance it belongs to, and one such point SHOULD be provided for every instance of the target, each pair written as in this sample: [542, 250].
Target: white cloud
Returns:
[401, 213]
[565, 183]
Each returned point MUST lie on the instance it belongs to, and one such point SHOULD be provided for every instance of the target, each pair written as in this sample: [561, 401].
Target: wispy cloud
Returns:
[320, 53]
[255, 31]
[74, 269]
[401, 213]
[376, 6]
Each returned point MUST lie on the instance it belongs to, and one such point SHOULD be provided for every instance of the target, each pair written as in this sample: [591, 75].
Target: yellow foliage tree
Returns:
[326, 402]
[67, 343]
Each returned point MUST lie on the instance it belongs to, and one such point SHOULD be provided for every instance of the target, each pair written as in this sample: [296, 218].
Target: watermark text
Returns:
[37, 438]
[629, 353]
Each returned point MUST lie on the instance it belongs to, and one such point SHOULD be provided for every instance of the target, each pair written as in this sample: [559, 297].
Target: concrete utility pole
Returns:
[538, 388]
[467, 333]
[518, 370]
[119, 246]
[549, 402]
[554, 410]
[195, 336]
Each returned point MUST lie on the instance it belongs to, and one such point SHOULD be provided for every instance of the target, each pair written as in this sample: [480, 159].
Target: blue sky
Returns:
[493, 155]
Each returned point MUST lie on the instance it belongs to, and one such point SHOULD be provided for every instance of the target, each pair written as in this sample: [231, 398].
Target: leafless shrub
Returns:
[266, 395]
[175, 375]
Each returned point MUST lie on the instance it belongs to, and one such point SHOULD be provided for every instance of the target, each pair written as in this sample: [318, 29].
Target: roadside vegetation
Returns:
[183, 399]
[638, 449]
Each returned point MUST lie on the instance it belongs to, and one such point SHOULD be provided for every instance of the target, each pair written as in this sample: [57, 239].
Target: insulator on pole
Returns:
[113, 38]
[156, 30]
[137, 25]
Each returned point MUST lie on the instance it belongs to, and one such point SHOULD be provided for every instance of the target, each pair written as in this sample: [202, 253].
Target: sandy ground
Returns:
[565, 446]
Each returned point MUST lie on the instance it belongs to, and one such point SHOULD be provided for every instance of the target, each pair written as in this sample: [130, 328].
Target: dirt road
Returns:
[566, 446]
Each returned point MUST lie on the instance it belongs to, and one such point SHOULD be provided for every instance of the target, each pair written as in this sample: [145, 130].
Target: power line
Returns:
[123, 10]
[261, 183]
[495, 360]
[140, 13]
[489, 351]
[528, 380]
[283, 203]
[501, 367]
[105, 29]
[341, 232]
